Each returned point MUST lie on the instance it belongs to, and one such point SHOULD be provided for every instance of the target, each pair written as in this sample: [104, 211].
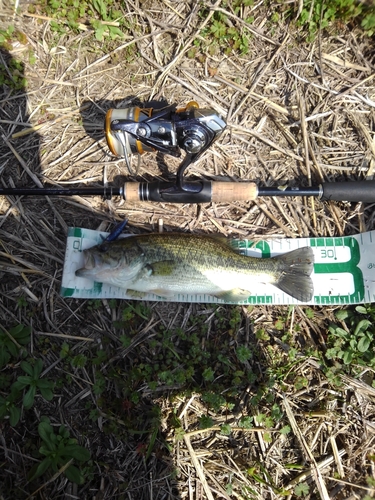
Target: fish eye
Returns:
[103, 247]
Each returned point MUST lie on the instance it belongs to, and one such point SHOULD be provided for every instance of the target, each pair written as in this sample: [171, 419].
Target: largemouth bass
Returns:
[168, 264]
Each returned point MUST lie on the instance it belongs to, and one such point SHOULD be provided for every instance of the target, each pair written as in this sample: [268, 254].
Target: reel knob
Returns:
[194, 141]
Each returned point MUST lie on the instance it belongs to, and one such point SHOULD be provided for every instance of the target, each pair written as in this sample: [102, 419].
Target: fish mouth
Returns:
[89, 265]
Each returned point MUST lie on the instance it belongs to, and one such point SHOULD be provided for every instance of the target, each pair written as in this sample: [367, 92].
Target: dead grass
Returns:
[295, 111]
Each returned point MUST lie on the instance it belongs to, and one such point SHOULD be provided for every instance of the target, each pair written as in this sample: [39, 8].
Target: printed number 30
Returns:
[327, 253]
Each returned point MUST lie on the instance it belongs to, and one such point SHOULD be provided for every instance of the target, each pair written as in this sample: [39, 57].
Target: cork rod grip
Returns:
[191, 192]
[234, 191]
[131, 191]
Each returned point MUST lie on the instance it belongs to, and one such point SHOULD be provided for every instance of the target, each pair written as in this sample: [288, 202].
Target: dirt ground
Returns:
[296, 111]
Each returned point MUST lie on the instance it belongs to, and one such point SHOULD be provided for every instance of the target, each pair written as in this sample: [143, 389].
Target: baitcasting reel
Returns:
[138, 130]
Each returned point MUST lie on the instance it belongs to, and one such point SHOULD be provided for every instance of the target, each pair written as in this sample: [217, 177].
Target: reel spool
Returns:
[136, 130]
[124, 144]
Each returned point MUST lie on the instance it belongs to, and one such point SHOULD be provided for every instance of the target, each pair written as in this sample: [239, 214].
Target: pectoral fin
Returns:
[166, 294]
[163, 268]
[146, 279]
[235, 295]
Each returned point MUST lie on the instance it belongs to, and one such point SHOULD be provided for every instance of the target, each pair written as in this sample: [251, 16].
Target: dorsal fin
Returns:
[228, 242]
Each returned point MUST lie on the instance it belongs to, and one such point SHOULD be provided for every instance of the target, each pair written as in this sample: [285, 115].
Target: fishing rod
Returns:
[207, 191]
[135, 130]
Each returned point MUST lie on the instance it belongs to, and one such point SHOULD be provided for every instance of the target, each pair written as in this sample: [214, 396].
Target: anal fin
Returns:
[134, 294]
[166, 294]
[235, 295]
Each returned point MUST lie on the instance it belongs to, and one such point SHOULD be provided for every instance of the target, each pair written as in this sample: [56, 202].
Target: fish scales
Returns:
[201, 252]
[168, 264]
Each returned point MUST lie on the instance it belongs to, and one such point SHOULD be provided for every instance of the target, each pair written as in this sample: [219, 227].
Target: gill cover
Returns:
[114, 263]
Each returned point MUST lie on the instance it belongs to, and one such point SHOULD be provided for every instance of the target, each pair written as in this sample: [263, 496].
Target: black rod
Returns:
[107, 192]
[290, 191]
[207, 191]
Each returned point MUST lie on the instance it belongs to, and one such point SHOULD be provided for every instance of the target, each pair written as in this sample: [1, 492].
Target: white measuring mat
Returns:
[344, 270]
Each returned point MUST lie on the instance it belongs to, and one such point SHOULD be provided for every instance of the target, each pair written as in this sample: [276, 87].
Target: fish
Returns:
[169, 264]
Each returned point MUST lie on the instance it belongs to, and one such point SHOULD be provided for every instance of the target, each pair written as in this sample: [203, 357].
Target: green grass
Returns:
[59, 450]
[210, 359]
[318, 15]
[351, 340]
[13, 76]
[224, 35]
[104, 17]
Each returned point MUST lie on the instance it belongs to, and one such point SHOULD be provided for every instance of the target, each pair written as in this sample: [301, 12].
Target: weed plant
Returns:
[351, 340]
[321, 14]
[57, 449]
[216, 365]
[104, 16]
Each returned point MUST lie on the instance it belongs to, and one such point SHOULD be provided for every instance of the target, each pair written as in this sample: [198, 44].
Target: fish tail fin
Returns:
[295, 279]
